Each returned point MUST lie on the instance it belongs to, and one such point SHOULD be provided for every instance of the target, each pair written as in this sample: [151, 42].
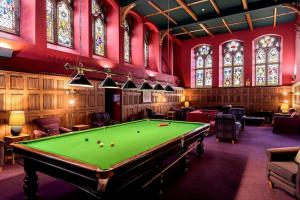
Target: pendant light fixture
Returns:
[169, 88]
[79, 80]
[108, 83]
[158, 87]
[129, 84]
[146, 86]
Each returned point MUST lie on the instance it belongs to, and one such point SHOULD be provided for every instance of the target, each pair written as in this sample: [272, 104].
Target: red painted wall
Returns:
[33, 54]
[286, 31]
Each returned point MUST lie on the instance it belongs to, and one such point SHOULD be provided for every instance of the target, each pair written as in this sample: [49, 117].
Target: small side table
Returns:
[80, 127]
[11, 139]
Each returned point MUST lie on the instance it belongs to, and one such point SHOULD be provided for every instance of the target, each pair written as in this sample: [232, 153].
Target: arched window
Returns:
[9, 16]
[127, 41]
[60, 22]
[203, 66]
[233, 63]
[267, 60]
[146, 48]
[99, 28]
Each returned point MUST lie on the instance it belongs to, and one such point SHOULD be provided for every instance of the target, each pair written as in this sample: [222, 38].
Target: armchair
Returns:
[153, 115]
[239, 114]
[283, 171]
[99, 119]
[286, 125]
[227, 127]
[2, 149]
[49, 126]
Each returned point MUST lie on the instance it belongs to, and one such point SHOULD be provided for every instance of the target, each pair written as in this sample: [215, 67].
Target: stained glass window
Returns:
[99, 28]
[59, 16]
[267, 60]
[9, 16]
[127, 41]
[233, 64]
[50, 10]
[146, 48]
[203, 62]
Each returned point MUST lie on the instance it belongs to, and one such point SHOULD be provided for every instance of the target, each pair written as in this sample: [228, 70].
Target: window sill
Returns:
[61, 48]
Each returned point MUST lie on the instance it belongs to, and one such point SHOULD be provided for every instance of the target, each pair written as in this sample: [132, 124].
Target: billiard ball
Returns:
[86, 139]
[138, 131]
[98, 142]
[112, 144]
[101, 144]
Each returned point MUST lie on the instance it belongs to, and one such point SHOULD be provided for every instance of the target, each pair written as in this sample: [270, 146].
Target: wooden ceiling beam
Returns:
[161, 11]
[216, 7]
[249, 21]
[187, 9]
[187, 32]
[226, 25]
[275, 18]
[245, 4]
[206, 30]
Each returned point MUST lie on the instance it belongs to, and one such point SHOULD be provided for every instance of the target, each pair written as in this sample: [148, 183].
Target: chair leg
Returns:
[271, 185]
[233, 141]
[218, 140]
[13, 158]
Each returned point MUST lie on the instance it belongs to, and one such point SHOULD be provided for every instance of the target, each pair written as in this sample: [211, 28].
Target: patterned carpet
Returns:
[226, 171]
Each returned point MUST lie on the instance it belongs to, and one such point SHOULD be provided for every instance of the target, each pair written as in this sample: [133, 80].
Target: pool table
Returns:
[107, 159]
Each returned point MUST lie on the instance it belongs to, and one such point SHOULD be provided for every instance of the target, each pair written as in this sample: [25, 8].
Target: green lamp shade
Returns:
[146, 86]
[158, 87]
[108, 83]
[79, 80]
[129, 85]
[169, 88]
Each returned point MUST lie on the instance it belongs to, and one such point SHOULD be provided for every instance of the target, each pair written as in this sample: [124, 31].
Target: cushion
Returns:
[287, 170]
[51, 129]
[297, 158]
[293, 114]
[39, 134]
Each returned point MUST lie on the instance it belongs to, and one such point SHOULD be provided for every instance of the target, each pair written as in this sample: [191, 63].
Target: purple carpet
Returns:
[226, 171]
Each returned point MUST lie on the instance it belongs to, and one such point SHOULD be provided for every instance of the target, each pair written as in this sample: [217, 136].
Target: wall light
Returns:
[71, 102]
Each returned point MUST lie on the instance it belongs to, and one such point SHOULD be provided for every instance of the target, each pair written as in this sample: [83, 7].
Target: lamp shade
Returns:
[146, 86]
[186, 104]
[108, 83]
[129, 85]
[16, 118]
[158, 87]
[284, 107]
[169, 88]
[79, 80]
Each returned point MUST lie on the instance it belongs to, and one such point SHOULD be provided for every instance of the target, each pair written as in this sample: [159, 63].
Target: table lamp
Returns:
[186, 104]
[16, 121]
[284, 107]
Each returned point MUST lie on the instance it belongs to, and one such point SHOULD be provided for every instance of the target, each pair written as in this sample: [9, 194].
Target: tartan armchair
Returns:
[239, 114]
[226, 127]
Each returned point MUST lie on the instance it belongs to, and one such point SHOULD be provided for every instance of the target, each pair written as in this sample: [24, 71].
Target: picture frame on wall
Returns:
[147, 96]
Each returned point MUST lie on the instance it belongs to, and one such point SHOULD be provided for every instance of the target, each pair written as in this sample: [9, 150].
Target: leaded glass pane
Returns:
[200, 62]
[273, 55]
[260, 56]
[273, 74]
[199, 78]
[208, 77]
[96, 10]
[204, 50]
[267, 41]
[99, 37]
[227, 77]
[9, 11]
[50, 20]
[238, 59]
[64, 24]
[238, 76]
[208, 62]
[227, 60]
[146, 54]
[260, 74]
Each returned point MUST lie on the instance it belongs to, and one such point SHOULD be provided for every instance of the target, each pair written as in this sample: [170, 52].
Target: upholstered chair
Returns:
[2, 150]
[153, 115]
[283, 169]
[99, 119]
[226, 127]
[49, 126]
[239, 114]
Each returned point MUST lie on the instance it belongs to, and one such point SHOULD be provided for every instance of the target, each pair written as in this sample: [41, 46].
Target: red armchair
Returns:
[99, 119]
[48, 126]
[286, 125]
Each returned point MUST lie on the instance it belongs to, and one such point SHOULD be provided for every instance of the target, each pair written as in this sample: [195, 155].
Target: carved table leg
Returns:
[30, 180]
[184, 163]
[200, 148]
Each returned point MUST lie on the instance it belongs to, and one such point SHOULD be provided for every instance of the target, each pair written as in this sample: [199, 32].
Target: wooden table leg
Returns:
[30, 180]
